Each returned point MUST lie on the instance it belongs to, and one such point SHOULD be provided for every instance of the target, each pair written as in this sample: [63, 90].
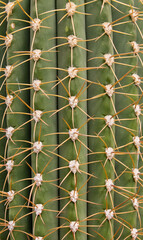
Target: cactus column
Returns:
[100, 108]
[44, 102]
[73, 116]
[20, 74]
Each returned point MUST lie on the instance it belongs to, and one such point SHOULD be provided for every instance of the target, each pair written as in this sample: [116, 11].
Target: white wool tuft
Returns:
[136, 141]
[36, 85]
[8, 70]
[72, 40]
[10, 196]
[70, 8]
[109, 185]
[36, 54]
[136, 79]
[9, 165]
[74, 196]
[74, 226]
[8, 8]
[72, 71]
[37, 146]
[11, 225]
[109, 214]
[109, 59]
[74, 166]
[8, 100]
[109, 153]
[73, 101]
[73, 134]
[109, 120]
[135, 47]
[38, 238]
[137, 110]
[38, 179]
[136, 174]
[107, 28]
[134, 233]
[38, 209]
[9, 132]
[36, 24]
[135, 203]
[109, 90]
[134, 15]
[37, 115]
[8, 40]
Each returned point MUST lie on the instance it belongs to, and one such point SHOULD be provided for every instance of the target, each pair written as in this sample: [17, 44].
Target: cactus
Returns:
[71, 119]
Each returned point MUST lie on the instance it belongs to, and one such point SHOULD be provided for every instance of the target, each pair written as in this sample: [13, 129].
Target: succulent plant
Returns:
[71, 119]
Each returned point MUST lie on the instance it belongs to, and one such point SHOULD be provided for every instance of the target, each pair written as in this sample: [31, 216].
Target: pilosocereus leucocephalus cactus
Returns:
[71, 161]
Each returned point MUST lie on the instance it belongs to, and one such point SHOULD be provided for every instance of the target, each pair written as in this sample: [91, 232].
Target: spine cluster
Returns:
[71, 119]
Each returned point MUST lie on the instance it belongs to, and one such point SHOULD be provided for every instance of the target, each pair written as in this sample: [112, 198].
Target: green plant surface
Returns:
[122, 101]
[74, 117]
[2, 110]
[71, 119]
[46, 102]
[20, 74]
[100, 107]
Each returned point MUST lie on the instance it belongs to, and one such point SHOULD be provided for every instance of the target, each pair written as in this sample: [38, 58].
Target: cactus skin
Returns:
[104, 76]
[121, 102]
[2, 109]
[140, 72]
[52, 129]
[68, 150]
[44, 104]
[19, 74]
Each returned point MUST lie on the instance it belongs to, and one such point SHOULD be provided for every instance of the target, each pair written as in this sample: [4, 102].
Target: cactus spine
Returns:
[71, 119]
